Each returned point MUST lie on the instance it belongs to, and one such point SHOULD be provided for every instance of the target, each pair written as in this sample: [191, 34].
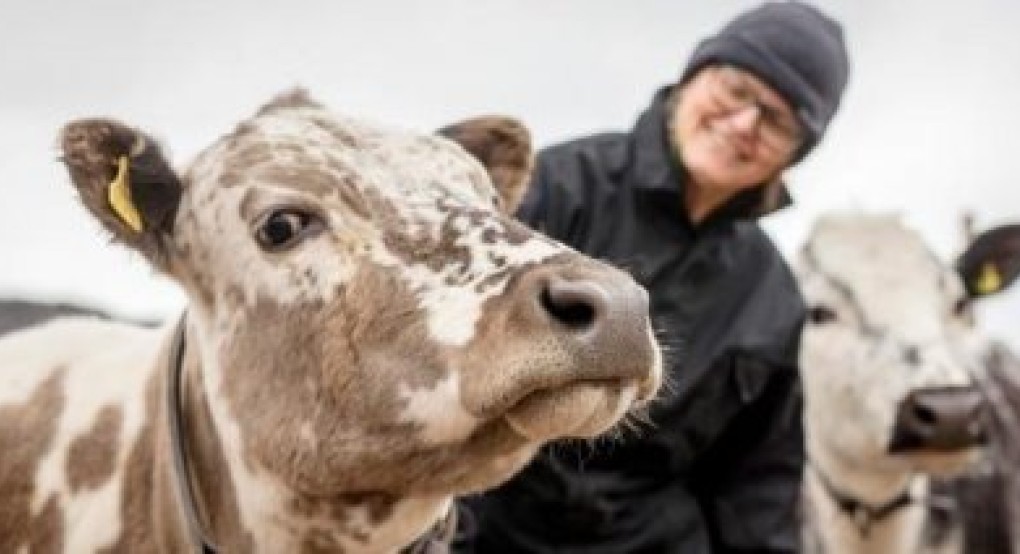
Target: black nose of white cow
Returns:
[943, 419]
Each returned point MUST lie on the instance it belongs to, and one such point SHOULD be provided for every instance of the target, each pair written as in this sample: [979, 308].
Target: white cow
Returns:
[889, 360]
[368, 335]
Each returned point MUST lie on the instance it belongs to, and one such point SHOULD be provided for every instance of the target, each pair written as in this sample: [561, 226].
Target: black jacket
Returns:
[720, 469]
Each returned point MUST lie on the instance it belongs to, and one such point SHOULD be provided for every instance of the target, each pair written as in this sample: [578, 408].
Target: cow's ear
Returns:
[991, 262]
[124, 179]
[503, 146]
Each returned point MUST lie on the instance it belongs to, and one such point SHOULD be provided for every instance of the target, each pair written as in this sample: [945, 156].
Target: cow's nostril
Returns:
[573, 306]
[925, 415]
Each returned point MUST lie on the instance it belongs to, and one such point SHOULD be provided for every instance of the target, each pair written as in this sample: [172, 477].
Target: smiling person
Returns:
[677, 200]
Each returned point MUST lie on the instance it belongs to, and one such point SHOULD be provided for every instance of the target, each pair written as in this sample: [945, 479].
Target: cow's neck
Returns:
[863, 510]
[243, 509]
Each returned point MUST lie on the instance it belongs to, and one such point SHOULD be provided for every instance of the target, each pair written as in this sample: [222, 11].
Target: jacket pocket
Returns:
[749, 377]
[707, 409]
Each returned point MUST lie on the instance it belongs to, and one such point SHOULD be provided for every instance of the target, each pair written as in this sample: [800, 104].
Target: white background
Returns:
[929, 125]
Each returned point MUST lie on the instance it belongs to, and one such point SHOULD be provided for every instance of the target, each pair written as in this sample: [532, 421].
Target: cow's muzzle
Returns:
[942, 419]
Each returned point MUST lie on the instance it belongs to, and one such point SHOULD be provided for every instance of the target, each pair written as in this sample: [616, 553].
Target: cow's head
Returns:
[368, 315]
[889, 350]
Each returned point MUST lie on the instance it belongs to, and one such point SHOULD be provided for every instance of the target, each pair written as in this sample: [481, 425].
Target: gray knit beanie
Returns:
[796, 49]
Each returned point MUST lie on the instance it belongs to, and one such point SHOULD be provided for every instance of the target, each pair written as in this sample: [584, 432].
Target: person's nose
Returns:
[745, 120]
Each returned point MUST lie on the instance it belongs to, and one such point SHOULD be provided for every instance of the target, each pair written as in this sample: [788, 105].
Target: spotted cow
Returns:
[368, 334]
[893, 367]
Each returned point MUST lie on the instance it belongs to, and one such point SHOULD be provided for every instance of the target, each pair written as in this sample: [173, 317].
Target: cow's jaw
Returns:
[257, 510]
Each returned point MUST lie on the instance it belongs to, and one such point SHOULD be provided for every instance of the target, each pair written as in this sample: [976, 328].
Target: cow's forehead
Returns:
[418, 208]
[872, 249]
[314, 151]
[893, 276]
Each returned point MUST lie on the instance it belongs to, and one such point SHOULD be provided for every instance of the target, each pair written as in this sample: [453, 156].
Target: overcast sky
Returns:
[928, 126]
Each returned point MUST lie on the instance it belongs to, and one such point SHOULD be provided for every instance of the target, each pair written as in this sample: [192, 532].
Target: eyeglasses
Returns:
[777, 127]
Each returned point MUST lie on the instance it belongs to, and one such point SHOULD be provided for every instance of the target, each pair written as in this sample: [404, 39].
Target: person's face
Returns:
[733, 131]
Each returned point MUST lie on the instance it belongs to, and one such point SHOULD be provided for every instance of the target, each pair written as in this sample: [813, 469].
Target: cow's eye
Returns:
[283, 229]
[820, 314]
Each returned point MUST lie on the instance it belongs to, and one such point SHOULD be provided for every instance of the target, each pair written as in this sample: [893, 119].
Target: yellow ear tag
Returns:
[119, 196]
[990, 279]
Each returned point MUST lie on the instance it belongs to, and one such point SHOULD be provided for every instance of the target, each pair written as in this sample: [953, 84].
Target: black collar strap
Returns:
[180, 475]
[863, 515]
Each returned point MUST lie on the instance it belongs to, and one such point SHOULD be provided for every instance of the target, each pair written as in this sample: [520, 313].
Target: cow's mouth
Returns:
[579, 410]
[941, 463]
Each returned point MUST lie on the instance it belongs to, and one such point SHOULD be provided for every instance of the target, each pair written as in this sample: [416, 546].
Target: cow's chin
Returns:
[504, 445]
[578, 410]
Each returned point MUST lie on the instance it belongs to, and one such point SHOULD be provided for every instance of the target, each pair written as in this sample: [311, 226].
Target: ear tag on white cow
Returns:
[990, 280]
[119, 196]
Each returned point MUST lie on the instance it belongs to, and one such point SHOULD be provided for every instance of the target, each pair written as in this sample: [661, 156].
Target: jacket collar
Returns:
[658, 170]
